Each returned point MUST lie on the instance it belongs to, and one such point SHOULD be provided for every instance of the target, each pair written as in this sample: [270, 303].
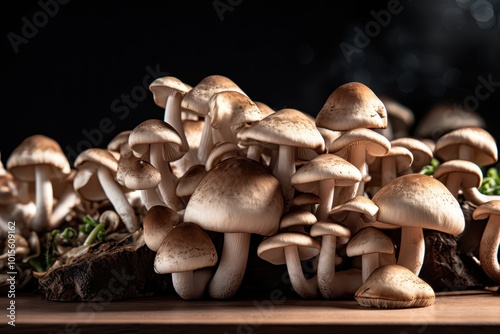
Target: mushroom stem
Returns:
[151, 198]
[326, 193]
[68, 200]
[412, 248]
[488, 248]
[167, 184]
[44, 198]
[369, 262]
[118, 199]
[254, 152]
[173, 117]
[347, 282]
[231, 269]
[388, 170]
[326, 266]
[206, 141]
[191, 285]
[358, 158]
[306, 288]
[474, 196]
[453, 183]
[283, 170]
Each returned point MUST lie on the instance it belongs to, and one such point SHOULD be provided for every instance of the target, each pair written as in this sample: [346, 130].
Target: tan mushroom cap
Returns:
[325, 166]
[305, 199]
[399, 116]
[329, 227]
[368, 240]
[375, 143]
[286, 126]
[471, 174]
[166, 86]
[232, 108]
[480, 140]
[419, 200]
[196, 100]
[272, 248]
[444, 117]
[185, 248]
[394, 286]
[403, 159]
[422, 153]
[190, 180]
[361, 204]
[141, 175]
[37, 150]
[350, 106]
[156, 131]
[157, 223]
[484, 210]
[265, 109]
[119, 143]
[297, 217]
[237, 195]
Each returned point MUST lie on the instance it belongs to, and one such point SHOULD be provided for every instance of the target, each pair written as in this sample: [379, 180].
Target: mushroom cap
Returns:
[445, 117]
[325, 166]
[484, 145]
[350, 106]
[119, 143]
[196, 100]
[156, 131]
[402, 156]
[158, 221]
[232, 108]
[394, 286]
[361, 204]
[237, 195]
[286, 126]
[419, 200]
[167, 86]
[422, 153]
[186, 247]
[305, 199]
[329, 227]
[297, 217]
[98, 157]
[37, 150]
[375, 143]
[399, 116]
[265, 109]
[471, 174]
[271, 248]
[140, 175]
[368, 240]
[188, 182]
[484, 210]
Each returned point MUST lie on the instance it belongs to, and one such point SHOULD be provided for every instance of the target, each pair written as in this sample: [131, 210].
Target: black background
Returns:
[83, 59]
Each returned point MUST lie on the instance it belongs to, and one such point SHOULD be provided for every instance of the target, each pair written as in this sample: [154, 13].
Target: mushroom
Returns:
[188, 182]
[387, 167]
[40, 159]
[400, 117]
[291, 248]
[187, 253]
[350, 106]
[393, 286]
[356, 213]
[95, 180]
[458, 174]
[414, 202]
[490, 240]
[422, 153]
[321, 175]
[65, 201]
[284, 131]
[368, 243]
[331, 235]
[158, 143]
[237, 197]
[158, 221]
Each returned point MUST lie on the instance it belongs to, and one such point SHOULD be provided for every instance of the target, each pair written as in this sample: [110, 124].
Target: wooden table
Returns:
[467, 312]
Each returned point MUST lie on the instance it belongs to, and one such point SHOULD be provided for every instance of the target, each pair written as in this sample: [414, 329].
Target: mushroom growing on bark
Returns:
[415, 202]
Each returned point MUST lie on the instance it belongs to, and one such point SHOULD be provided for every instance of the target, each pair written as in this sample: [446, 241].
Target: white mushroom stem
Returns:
[326, 266]
[206, 141]
[167, 185]
[369, 262]
[474, 196]
[173, 116]
[283, 170]
[347, 282]
[191, 285]
[412, 249]
[231, 269]
[358, 157]
[453, 183]
[326, 193]
[118, 199]
[488, 248]
[388, 167]
[306, 288]
[68, 200]
[254, 152]
[44, 198]
[151, 198]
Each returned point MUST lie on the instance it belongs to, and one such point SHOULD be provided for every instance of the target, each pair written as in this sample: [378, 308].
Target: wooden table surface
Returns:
[453, 312]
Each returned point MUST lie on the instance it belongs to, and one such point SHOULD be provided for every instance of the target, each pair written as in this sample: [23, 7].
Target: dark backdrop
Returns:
[69, 65]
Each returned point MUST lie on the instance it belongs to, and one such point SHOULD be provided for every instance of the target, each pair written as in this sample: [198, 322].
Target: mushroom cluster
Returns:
[217, 171]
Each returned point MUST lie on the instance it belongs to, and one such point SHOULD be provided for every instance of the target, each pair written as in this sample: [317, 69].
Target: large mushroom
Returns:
[237, 197]
[415, 202]
[39, 159]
